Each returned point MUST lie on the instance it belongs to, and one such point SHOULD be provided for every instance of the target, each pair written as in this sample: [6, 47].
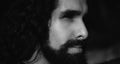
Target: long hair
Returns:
[45, 9]
[23, 28]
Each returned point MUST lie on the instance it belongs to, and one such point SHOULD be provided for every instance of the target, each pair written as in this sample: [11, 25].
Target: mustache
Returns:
[72, 43]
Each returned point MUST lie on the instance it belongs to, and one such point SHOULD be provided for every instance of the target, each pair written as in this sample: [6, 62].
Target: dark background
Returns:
[21, 22]
[102, 21]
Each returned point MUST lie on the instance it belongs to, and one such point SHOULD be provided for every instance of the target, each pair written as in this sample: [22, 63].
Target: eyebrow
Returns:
[70, 14]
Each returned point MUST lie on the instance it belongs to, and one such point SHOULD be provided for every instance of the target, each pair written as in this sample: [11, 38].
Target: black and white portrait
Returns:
[60, 32]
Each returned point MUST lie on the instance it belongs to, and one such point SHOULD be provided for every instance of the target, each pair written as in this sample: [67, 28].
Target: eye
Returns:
[70, 14]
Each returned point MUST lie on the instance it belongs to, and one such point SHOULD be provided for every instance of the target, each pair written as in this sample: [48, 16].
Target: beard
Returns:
[62, 56]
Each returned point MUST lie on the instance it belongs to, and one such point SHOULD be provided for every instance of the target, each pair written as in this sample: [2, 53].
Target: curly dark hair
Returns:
[24, 25]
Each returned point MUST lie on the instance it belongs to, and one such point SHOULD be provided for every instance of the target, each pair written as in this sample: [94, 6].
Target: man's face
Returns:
[67, 32]
[67, 24]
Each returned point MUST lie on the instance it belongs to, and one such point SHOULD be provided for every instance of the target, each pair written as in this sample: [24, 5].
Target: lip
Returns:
[75, 50]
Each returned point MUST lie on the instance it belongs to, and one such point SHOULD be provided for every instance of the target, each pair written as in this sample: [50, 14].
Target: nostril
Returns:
[80, 37]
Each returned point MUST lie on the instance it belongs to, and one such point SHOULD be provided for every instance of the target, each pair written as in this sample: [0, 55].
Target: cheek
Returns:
[58, 34]
[62, 31]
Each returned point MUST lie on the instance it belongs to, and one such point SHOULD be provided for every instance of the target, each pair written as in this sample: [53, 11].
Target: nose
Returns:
[79, 29]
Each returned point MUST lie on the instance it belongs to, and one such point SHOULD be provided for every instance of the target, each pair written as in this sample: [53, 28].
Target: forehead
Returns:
[73, 4]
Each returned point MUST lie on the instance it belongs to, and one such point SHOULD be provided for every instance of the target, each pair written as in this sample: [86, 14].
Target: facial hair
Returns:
[61, 56]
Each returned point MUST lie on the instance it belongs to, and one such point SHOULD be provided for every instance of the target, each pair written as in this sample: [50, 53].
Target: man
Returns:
[59, 32]
[67, 32]
[68, 37]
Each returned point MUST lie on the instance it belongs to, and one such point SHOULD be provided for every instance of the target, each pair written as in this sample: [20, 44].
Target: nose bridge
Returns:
[79, 29]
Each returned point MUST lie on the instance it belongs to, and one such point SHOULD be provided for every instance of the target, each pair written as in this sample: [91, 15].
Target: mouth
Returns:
[74, 47]
[75, 50]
